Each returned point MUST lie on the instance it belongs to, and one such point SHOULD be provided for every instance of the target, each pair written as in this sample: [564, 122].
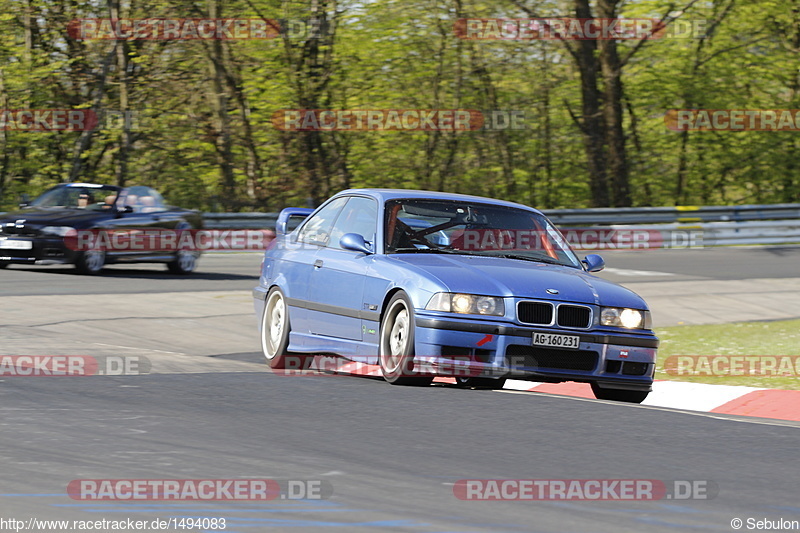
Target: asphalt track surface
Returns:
[210, 409]
[240, 271]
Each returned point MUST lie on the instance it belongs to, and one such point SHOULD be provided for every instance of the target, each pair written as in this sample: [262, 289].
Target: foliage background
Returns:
[203, 108]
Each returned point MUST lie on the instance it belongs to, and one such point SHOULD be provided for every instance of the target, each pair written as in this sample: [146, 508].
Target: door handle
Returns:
[318, 263]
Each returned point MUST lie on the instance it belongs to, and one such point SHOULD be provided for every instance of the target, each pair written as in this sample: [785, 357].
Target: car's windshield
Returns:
[89, 197]
[445, 226]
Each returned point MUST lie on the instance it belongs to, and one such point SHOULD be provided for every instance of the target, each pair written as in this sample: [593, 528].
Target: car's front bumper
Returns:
[463, 347]
[43, 250]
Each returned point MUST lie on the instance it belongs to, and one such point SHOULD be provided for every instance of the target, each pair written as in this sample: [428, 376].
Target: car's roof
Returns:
[395, 194]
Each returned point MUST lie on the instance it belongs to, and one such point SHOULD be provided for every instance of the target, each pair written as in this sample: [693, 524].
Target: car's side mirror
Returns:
[355, 243]
[24, 200]
[594, 263]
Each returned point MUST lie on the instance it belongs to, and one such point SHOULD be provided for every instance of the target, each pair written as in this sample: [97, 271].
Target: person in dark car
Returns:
[85, 199]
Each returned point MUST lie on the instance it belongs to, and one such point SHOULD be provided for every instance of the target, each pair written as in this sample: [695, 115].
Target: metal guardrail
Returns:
[716, 225]
[666, 227]
[699, 235]
[603, 216]
[666, 215]
[240, 220]
[727, 233]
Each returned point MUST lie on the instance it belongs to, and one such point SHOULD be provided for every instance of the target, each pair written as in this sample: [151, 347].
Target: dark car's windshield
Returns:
[445, 226]
[89, 197]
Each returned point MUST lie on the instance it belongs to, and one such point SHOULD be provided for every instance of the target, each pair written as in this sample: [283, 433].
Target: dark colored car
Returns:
[39, 232]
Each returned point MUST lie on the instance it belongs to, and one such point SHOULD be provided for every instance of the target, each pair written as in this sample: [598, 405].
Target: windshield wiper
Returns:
[451, 251]
[423, 250]
[549, 261]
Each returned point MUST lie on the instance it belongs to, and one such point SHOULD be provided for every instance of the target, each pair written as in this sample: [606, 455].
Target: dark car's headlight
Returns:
[57, 231]
[625, 318]
[468, 304]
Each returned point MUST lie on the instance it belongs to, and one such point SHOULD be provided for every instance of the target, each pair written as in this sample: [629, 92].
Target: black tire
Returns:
[185, 262]
[396, 348]
[90, 262]
[275, 328]
[481, 383]
[4, 264]
[619, 395]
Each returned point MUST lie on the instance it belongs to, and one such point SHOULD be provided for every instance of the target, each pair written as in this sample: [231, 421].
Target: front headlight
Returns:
[58, 231]
[625, 318]
[467, 304]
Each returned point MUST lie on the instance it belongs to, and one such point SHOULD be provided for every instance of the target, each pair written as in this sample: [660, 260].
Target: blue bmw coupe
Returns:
[428, 284]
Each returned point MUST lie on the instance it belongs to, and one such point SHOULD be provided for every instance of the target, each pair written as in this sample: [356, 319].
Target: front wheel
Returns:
[396, 350]
[619, 395]
[185, 262]
[90, 262]
[275, 329]
[4, 264]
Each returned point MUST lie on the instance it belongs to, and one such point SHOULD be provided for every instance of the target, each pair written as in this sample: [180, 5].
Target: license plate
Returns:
[556, 341]
[6, 244]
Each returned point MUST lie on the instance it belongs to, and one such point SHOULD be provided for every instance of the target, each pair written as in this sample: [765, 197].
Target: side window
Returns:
[318, 228]
[360, 215]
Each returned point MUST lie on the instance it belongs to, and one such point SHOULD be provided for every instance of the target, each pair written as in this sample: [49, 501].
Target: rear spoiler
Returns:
[284, 217]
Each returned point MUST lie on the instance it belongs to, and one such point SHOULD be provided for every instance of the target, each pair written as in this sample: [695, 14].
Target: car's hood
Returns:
[41, 216]
[526, 279]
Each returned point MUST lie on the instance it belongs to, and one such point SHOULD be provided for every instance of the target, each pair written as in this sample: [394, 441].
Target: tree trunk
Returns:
[592, 125]
[126, 140]
[222, 121]
[613, 113]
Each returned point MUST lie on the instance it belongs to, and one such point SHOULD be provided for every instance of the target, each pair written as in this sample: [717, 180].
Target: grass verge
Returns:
[772, 338]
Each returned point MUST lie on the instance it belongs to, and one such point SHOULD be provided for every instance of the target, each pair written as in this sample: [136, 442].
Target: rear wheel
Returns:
[481, 383]
[275, 329]
[619, 395]
[4, 264]
[396, 350]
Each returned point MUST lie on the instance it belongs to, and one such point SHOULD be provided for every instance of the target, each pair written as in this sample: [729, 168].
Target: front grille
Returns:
[574, 316]
[19, 254]
[24, 231]
[544, 358]
[535, 313]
